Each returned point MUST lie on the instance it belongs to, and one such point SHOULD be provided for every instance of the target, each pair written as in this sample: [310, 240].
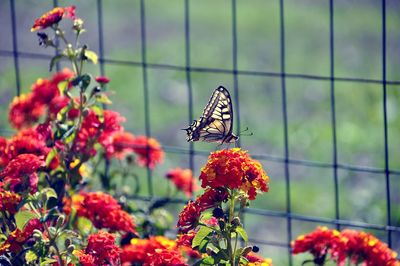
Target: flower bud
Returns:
[218, 212]
[78, 24]
[236, 221]
[255, 249]
[60, 221]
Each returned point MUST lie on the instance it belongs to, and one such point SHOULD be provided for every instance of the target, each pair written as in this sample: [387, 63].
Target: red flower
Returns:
[17, 238]
[234, 169]
[256, 260]
[63, 75]
[149, 151]
[183, 180]
[189, 217]
[186, 239]
[24, 111]
[104, 212]
[3, 152]
[364, 247]
[165, 257]
[121, 145]
[9, 201]
[53, 16]
[20, 172]
[102, 79]
[212, 197]
[101, 250]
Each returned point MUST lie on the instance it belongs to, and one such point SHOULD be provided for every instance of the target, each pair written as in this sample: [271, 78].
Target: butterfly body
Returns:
[215, 124]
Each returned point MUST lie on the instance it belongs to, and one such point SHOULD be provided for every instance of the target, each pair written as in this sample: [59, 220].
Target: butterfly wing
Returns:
[215, 124]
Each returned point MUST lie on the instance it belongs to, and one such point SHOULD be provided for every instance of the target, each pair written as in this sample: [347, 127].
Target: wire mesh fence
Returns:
[288, 219]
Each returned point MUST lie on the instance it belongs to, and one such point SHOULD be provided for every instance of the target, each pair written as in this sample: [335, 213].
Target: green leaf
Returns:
[208, 261]
[61, 115]
[47, 261]
[50, 156]
[92, 56]
[30, 256]
[102, 98]
[242, 233]
[49, 192]
[99, 112]
[23, 217]
[200, 235]
[62, 86]
[54, 60]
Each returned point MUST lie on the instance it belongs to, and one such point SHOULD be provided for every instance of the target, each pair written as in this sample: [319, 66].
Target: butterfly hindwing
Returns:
[215, 124]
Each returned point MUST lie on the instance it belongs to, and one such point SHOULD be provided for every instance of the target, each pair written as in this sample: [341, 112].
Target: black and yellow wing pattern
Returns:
[216, 123]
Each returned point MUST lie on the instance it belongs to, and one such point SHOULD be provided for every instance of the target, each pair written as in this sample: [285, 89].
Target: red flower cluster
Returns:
[190, 214]
[25, 141]
[53, 16]
[364, 247]
[17, 238]
[26, 110]
[155, 251]
[234, 169]
[120, 145]
[184, 241]
[148, 150]
[256, 260]
[20, 173]
[357, 246]
[183, 180]
[101, 250]
[9, 201]
[104, 212]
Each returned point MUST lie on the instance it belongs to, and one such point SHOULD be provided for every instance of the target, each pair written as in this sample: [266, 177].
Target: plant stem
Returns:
[229, 237]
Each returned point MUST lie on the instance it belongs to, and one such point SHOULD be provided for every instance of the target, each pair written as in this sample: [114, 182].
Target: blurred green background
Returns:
[359, 105]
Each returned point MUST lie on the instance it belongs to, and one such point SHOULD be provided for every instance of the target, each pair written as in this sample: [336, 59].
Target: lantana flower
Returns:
[100, 250]
[234, 169]
[52, 17]
[183, 180]
[21, 174]
[103, 211]
[9, 201]
[24, 111]
[148, 150]
[256, 260]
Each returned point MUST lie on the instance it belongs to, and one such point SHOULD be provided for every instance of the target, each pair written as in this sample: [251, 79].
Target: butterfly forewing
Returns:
[215, 124]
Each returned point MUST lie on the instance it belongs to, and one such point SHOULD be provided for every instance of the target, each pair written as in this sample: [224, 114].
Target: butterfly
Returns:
[215, 124]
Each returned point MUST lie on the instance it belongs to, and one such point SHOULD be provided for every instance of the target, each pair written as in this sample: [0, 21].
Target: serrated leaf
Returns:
[30, 256]
[54, 60]
[23, 217]
[242, 233]
[92, 56]
[102, 98]
[50, 156]
[200, 235]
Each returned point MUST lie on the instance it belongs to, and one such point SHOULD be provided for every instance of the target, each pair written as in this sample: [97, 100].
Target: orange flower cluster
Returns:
[256, 260]
[17, 238]
[104, 212]
[190, 214]
[357, 246]
[234, 169]
[101, 250]
[183, 180]
[9, 201]
[184, 241]
[20, 173]
[27, 109]
[53, 16]
[155, 251]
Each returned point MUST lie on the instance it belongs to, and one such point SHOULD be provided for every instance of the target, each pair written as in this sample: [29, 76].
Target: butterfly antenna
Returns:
[248, 134]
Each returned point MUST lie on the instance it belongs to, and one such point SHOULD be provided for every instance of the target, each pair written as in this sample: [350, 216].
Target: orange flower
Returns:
[183, 180]
[9, 201]
[234, 169]
[149, 151]
[364, 247]
[156, 251]
[24, 111]
[256, 260]
[104, 211]
[52, 17]
[121, 145]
